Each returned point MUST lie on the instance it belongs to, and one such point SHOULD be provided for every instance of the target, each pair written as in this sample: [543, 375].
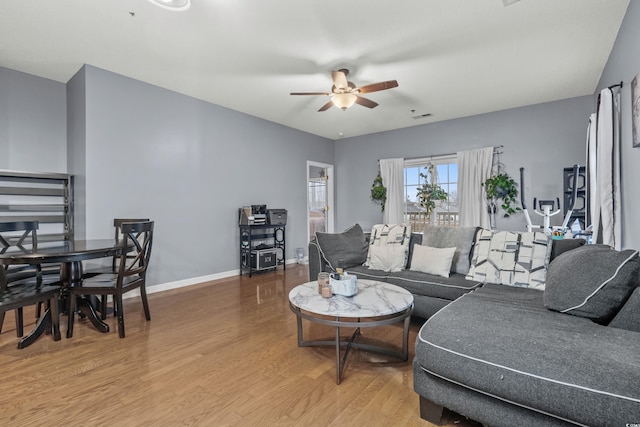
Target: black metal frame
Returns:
[250, 233]
[360, 322]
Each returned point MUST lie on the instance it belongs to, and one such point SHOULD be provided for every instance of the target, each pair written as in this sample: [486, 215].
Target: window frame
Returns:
[449, 217]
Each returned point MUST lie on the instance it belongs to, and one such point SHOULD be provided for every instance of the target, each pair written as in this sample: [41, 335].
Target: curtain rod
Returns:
[496, 150]
[615, 85]
[610, 88]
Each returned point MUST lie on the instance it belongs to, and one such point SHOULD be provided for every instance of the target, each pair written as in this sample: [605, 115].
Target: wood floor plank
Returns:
[221, 353]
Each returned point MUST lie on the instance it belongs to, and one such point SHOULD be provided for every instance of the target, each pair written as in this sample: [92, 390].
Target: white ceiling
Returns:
[451, 58]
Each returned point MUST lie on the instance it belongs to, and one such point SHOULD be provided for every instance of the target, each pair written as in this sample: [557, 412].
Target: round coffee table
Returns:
[375, 304]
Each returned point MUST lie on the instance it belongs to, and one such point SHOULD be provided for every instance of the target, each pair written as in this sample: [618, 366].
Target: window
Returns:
[445, 173]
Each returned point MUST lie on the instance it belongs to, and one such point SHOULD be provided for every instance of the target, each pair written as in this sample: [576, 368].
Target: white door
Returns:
[320, 215]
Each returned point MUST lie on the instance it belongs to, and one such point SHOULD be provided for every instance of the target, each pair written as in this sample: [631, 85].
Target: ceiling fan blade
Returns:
[366, 102]
[339, 79]
[310, 93]
[375, 87]
[326, 106]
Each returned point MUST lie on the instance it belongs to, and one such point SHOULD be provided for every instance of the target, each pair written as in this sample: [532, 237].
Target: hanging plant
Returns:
[429, 193]
[503, 187]
[379, 191]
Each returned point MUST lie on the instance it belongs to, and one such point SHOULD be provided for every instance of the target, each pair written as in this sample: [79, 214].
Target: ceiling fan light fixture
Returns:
[174, 5]
[343, 100]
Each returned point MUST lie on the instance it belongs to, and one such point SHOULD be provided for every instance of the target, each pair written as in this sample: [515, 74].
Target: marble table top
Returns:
[373, 299]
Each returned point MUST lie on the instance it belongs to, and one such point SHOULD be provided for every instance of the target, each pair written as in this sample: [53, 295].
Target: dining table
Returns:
[69, 254]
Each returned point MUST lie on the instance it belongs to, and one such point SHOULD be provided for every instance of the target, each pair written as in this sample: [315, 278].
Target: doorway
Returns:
[320, 183]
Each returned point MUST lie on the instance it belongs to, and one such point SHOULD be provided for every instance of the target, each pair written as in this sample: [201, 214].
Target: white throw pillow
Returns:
[436, 261]
[390, 258]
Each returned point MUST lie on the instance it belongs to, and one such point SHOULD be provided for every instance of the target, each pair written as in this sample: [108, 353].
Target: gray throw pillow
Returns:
[350, 247]
[558, 247]
[462, 238]
[592, 281]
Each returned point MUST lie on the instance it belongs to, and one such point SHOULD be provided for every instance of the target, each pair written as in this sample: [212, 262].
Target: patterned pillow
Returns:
[389, 235]
[511, 258]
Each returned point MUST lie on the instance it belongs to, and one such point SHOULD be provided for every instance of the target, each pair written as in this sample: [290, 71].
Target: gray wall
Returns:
[542, 138]
[33, 133]
[76, 152]
[624, 65]
[189, 165]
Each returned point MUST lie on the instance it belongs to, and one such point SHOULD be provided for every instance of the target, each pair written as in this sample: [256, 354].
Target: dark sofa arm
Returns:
[629, 315]
[316, 262]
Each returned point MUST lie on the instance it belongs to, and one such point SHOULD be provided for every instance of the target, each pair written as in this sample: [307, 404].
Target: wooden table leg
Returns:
[85, 307]
[70, 275]
[43, 324]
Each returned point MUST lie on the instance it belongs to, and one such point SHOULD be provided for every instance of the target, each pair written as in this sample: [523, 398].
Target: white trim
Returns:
[190, 282]
[599, 288]
[428, 282]
[330, 215]
[468, 387]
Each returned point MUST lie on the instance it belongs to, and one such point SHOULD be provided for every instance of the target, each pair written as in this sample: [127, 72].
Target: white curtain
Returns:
[604, 171]
[392, 172]
[474, 167]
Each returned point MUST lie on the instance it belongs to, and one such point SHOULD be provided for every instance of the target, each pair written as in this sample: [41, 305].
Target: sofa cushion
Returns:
[416, 239]
[502, 342]
[430, 260]
[363, 272]
[397, 235]
[558, 247]
[349, 247]
[433, 286]
[387, 257]
[593, 281]
[511, 258]
[462, 238]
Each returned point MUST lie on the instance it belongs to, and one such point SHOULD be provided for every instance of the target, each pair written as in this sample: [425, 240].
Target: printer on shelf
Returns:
[277, 216]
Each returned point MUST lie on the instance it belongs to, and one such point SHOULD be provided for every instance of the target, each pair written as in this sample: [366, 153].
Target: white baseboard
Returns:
[189, 282]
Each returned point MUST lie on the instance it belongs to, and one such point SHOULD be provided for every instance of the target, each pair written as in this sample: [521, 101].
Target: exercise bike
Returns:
[546, 208]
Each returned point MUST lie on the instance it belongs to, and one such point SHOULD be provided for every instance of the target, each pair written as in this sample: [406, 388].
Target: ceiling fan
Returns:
[344, 93]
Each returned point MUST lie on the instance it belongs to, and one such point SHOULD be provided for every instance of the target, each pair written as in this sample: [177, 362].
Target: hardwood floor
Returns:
[214, 354]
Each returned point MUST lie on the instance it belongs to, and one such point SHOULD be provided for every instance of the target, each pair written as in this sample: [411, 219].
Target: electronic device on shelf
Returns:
[277, 216]
[260, 215]
[252, 215]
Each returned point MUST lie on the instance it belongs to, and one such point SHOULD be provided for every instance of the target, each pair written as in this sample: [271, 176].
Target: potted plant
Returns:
[428, 193]
[502, 187]
[379, 191]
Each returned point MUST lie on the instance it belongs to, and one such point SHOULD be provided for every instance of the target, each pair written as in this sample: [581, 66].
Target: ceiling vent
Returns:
[421, 116]
[509, 2]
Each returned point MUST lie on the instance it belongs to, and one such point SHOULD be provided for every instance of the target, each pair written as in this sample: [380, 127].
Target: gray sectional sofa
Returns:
[508, 355]
[430, 292]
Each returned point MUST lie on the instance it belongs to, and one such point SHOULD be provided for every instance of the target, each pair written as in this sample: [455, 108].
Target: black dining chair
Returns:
[89, 271]
[136, 242]
[24, 285]
[112, 270]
